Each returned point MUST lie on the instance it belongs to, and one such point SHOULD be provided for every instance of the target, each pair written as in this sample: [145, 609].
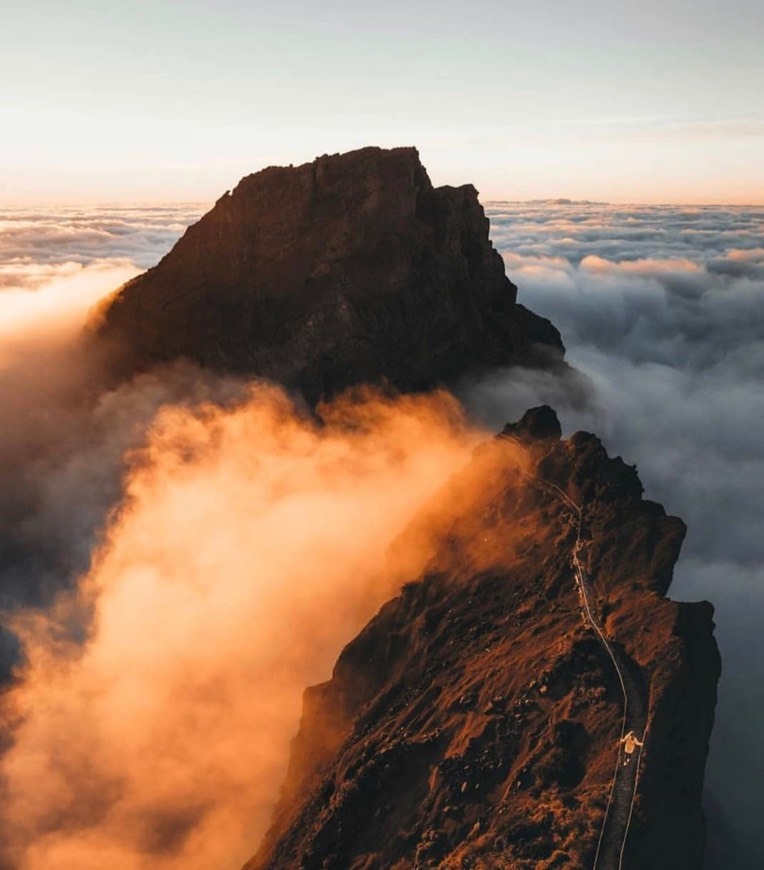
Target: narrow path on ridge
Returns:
[616, 822]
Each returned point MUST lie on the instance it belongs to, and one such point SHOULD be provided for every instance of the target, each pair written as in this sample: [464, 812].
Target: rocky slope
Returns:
[476, 721]
[350, 269]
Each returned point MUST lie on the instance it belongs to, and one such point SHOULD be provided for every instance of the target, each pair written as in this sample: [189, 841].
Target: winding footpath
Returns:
[616, 822]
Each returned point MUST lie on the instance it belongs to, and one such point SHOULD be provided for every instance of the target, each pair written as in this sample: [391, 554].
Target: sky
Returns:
[175, 100]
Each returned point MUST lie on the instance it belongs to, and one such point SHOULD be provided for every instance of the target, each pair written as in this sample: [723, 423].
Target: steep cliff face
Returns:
[350, 269]
[477, 721]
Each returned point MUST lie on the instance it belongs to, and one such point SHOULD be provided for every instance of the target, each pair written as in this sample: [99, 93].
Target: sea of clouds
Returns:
[36, 242]
[662, 308]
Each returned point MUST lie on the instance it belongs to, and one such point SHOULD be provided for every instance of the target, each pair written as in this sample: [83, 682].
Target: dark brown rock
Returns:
[349, 269]
[537, 424]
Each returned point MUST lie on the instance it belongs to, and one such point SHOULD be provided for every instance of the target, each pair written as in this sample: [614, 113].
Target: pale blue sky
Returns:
[657, 101]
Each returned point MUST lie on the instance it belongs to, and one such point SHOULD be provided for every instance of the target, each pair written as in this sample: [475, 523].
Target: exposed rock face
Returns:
[475, 722]
[347, 270]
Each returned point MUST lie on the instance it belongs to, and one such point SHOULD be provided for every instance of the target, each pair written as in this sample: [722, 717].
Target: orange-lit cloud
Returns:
[250, 546]
[49, 302]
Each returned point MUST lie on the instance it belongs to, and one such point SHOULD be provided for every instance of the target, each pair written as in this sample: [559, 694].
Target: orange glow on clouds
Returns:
[51, 304]
[249, 548]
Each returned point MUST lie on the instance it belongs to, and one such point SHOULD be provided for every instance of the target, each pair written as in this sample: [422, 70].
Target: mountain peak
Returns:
[349, 269]
[536, 424]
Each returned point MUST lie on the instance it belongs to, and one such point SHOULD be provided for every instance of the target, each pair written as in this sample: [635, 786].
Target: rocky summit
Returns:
[350, 269]
[533, 700]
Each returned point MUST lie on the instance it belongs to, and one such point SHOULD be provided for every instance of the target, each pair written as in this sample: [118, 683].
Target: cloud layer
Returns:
[663, 308]
[250, 546]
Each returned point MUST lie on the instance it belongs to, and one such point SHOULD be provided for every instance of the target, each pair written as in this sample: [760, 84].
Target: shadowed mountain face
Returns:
[477, 720]
[351, 269]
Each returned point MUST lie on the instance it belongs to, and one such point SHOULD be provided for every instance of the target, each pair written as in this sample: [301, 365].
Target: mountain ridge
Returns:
[476, 721]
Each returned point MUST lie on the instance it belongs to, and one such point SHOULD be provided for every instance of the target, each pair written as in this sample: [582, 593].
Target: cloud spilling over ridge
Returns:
[663, 308]
[44, 378]
[62, 440]
[250, 546]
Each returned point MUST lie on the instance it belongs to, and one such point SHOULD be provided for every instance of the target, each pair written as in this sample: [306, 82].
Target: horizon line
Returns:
[494, 201]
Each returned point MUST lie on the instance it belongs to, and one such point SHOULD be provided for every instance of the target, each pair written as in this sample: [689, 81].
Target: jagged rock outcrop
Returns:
[476, 721]
[351, 269]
